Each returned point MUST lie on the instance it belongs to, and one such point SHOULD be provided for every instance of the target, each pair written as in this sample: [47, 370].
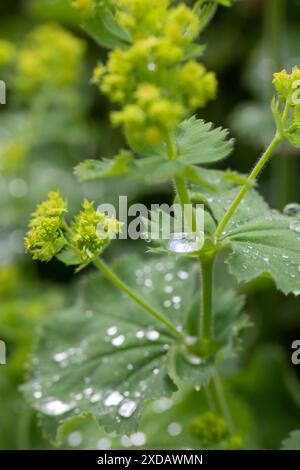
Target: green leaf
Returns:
[107, 357]
[91, 170]
[262, 240]
[267, 245]
[197, 143]
[292, 442]
[103, 27]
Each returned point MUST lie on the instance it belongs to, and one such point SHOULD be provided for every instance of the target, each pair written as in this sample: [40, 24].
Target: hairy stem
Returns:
[214, 390]
[249, 184]
[102, 266]
[181, 187]
[206, 314]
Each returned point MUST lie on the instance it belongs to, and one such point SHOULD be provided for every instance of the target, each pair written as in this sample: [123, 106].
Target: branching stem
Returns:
[103, 267]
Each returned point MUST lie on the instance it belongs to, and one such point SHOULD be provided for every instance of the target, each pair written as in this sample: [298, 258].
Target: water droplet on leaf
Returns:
[127, 408]
[184, 243]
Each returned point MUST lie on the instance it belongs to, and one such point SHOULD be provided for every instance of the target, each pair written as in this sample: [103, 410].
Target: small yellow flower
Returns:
[98, 73]
[49, 56]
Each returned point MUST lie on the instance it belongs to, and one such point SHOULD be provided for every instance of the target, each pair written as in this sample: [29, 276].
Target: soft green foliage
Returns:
[103, 326]
[49, 56]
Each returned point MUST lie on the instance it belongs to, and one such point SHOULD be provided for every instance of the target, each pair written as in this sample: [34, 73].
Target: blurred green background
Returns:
[51, 122]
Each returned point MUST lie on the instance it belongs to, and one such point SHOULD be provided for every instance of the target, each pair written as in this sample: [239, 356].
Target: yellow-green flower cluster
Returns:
[92, 231]
[50, 56]
[288, 89]
[89, 234]
[152, 116]
[149, 79]
[287, 84]
[45, 237]
[7, 51]
[210, 428]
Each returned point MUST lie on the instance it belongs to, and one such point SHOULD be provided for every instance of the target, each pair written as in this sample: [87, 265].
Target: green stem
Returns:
[215, 392]
[181, 187]
[206, 323]
[249, 184]
[102, 266]
[217, 399]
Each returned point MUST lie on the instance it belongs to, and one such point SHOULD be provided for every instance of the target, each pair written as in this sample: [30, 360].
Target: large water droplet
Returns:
[183, 242]
[127, 408]
[113, 399]
[292, 210]
[55, 407]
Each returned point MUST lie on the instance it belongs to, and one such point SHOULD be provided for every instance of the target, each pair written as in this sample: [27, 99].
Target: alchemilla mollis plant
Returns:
[144, 328]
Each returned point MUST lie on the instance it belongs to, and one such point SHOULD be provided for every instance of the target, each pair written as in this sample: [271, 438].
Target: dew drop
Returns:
[138, 439]
[112, 330]
[113, 399]
[96, 397]
[152, 335]
[183, 275]
[104, 444]
[168, 289]
[184, 242]
[161, 405]
[152, 67]
[54, 407]
[118, 341]
[127, 408]
[61, 356]
[174, 429]
[140, 334]
[75, 439]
